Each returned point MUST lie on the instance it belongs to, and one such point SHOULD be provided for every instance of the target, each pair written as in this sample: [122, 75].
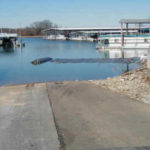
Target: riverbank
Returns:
[135, 84]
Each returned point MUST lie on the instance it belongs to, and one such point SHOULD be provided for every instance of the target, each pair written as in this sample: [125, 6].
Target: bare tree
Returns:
[34, 29]
[39, 26]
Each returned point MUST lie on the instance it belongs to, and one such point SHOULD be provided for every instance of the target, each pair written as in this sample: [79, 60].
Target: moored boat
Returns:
[130, 42]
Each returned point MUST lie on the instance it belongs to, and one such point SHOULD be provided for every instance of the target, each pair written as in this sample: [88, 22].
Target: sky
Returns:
[72, 13]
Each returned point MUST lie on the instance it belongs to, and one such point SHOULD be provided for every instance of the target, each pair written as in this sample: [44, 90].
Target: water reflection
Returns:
[6, 50]
[128, 53]
[11, 51]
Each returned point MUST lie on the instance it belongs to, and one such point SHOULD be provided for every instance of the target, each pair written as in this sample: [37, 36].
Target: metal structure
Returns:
[128, 22]
[110, 30]
[8, 40]
[91, 32]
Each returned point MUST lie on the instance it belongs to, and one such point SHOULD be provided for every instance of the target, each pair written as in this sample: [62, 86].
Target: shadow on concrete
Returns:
[128, 148]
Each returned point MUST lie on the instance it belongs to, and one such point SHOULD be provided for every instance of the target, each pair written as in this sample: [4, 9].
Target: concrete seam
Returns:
[59, 133]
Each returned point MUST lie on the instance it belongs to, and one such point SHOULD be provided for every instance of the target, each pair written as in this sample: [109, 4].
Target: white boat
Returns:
[81, 38]
[78, 38]
[55, 37]
[8, 35]
[130, 42]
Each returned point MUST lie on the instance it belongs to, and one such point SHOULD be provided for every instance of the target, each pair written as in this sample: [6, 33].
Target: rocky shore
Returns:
[135, 84]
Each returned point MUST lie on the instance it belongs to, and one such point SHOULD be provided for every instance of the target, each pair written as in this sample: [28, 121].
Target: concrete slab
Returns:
[92, 118]
[26, 120]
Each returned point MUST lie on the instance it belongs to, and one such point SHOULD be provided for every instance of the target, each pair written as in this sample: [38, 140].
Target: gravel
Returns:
[135, 84]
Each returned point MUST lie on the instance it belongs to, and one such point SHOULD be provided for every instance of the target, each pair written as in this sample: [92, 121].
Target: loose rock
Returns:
[135, 84]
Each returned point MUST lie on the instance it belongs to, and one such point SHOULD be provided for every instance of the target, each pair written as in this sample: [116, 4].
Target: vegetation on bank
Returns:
[35, 29]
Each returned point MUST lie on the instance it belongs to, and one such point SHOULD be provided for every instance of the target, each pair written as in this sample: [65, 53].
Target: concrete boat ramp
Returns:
[26, 119]
[71, 116]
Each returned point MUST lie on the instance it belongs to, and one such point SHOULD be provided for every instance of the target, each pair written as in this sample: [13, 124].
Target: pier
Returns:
[8, 40]
[134, 22]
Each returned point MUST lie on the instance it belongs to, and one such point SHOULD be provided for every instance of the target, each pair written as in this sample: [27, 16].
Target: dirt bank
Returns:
[135, 84]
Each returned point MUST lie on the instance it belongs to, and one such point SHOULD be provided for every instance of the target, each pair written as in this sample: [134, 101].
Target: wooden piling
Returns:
[148, 59]
[122, 41]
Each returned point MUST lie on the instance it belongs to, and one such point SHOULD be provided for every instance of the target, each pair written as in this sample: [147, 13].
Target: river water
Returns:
[15, 66]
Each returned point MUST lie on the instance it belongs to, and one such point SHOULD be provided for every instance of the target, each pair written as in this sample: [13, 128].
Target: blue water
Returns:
[15, 66]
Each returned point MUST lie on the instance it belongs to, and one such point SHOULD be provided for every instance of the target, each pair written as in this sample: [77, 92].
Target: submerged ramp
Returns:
[96, 60]
[85, 60]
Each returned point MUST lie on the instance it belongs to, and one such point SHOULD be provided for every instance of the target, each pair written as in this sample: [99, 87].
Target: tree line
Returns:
[35, 29]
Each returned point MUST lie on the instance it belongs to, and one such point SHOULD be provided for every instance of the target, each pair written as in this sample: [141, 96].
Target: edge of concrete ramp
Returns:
[26, 118]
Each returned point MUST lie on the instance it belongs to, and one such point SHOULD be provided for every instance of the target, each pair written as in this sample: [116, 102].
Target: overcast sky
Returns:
[72, 13]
